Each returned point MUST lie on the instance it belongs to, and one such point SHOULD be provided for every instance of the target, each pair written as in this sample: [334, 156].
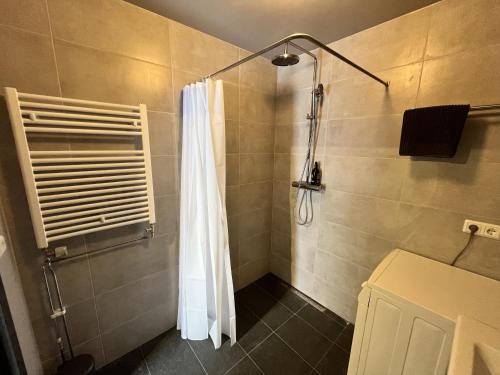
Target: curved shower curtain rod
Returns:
[309, 38]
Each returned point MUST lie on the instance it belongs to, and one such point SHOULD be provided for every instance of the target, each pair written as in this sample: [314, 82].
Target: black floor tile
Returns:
[306, 341]
[335, 362]
[345, 338]
[170, 354]
[281, 291]
[130, 364]
[328, 327]
[250, 330]
[335, 317]
[272, 312]
[220, 360]
[245, 367]
[273, 356]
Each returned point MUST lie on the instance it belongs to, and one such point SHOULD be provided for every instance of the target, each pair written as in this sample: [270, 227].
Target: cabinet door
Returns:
[401, 338]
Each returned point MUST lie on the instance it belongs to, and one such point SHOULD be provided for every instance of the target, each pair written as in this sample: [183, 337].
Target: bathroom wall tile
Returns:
[232, 169]
[75, 282]
[94, 348]
[233, 200]
[464, 77]
[231, 101]
[115, 236]
[255, 196]
[256, 106]
[298, 76]
[281, 267]
[467, 188]
[165, 172]
[400, 41]
[482, 257]
[337, 271]
[189, 52]
[281, 167]
[368, 176]
[282, 139]
[417, 232]
[163, 133]
[360, 248]
[454, 27]
[303, 254]
[45, 335]
[293, 106]
[128, 29]
[281, 245]
[34, 69]
[232, 137]
[127, 302]
[133, 262]
[31, 15]
[282, 221]
[252, 271]
[255, 248]
[253, 223]
[167, 213]
[258, 74]
[139, 330]
[480, 140]
[370, 215]
[234, 239]
[281, 194]
[362, 96]
[91, 74]
[256, 168]
[364, 136]
[82, 322]
[335, 299]
[256, 138]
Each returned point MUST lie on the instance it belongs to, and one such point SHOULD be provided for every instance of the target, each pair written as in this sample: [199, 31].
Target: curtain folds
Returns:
[206, 295]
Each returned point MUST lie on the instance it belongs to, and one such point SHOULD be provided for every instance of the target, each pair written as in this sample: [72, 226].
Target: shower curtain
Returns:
[206, 298]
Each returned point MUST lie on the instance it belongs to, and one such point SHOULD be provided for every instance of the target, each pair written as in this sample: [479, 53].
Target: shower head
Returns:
[286, 59]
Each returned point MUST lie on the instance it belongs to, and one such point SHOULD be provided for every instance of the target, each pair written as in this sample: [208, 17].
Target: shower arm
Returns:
[288, 40]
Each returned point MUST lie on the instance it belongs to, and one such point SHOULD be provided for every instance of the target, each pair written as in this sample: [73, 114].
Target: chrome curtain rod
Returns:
[309, 38]
[484, 107]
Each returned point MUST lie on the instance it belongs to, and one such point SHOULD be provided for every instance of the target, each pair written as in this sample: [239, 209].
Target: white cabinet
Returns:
[407, 311]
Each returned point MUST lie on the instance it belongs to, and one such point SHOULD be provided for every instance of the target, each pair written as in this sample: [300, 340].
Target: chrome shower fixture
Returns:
[286, 59]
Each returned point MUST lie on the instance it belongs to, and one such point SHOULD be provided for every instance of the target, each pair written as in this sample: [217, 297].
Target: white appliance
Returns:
[407, 314]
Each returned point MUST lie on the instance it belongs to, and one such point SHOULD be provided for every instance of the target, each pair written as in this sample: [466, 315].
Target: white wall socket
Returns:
[485, 229]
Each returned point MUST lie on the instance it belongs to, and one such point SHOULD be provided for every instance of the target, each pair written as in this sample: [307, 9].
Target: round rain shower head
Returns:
[286, 59]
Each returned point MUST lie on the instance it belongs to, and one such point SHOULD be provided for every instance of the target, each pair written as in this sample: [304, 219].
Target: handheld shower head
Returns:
[286, 59]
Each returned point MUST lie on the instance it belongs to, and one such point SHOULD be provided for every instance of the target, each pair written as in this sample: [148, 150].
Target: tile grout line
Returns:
[145, 360]
[196, 355]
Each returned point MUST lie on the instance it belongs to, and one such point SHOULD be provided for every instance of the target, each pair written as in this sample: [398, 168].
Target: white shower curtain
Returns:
[206, 299]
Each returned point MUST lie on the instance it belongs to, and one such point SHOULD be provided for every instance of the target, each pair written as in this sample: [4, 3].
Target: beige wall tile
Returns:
[252, 271]
[75, 281]
[297, 76]
[127, 30]
[254, 248]
[34, 69]
[129, 301]
[253, 223]
[281, 267]
[180, 79]
[400, 41]
[163, 130]
[281, 167]
[258, 74]
[82, 322]
[255, 196]
[165, 172]
[303, 254]
[232, 137]
[368, 176]
[30, 15]
[480, 138]
[281, 245]
[133, 262]
[231, 101]
[256, 138]
[282, 194]
[362, 96]
[360, 248]
[282, 139]
[282, 221]
[293, 106]
[167, 213]
[115, 236]
[139, 330]
[462, 25]
[232, 169]
[233, 200]
[335, 299]
[461, 78]
[90, 74]
[256, 168]
[364, 136]
[256, 106]
[370, 215]
[466, 188]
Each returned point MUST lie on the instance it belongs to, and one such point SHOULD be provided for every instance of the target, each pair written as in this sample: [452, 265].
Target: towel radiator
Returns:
[76, 192]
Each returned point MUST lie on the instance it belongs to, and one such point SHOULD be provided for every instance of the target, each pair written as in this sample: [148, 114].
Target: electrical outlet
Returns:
[485, 229]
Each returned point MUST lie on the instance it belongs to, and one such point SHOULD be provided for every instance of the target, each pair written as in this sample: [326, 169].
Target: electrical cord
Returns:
[473, 229]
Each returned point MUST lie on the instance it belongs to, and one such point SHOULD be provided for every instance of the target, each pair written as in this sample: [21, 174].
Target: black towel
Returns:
[433, 131]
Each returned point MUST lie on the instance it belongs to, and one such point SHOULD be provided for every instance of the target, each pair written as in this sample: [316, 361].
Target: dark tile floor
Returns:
[279, 332]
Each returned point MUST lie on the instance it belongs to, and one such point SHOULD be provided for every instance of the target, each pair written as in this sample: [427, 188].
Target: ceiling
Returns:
[253, 24]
